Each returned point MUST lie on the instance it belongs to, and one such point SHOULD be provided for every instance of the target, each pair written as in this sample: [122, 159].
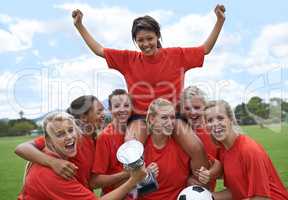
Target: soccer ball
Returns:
[195, 192]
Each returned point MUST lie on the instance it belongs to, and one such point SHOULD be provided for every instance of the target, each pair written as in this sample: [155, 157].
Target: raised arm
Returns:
[92, 44]
[212, 38]
[28, 151]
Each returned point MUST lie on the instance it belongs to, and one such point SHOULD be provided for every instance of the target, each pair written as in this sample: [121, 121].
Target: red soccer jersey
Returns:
[105, 161]
[84, 158]
[210, 149]
[173, 166]
[42, 183]
[150, 77]
[249, 172]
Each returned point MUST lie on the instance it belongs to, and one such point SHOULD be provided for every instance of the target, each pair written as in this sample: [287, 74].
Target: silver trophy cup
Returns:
[130, 154]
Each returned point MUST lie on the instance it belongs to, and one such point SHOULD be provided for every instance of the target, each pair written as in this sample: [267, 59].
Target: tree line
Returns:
[256, 111]
[17, 127]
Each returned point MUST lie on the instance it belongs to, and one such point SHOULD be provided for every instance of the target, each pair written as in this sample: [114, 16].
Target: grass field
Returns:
[11, 167]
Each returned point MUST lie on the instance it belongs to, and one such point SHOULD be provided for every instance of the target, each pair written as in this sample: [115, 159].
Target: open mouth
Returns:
[196, 117]
[70, 146]
[218, 131]
[168, 129]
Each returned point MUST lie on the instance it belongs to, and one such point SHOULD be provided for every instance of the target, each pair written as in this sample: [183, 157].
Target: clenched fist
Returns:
[219, 11]
[77, 17]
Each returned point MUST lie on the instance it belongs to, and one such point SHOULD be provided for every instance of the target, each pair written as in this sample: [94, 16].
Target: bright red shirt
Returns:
[84, 158]
[42, 183]
[173, 166]
[150, 77]
[210, 149]
[249, 172]
[105, 162]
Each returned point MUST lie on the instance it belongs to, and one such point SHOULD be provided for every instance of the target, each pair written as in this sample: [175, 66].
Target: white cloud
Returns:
[35, 52]
[5, 18]
[221, 89]
[19, 34]
[111, 26]
[60, 81]
[10, 42]
[5, 109]
[190, 30]
[269, 50]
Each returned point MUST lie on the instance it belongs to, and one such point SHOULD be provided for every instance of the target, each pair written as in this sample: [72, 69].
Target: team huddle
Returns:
[187, 140]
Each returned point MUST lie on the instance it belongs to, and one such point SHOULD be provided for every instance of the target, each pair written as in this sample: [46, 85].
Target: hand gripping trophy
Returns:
[130, 154]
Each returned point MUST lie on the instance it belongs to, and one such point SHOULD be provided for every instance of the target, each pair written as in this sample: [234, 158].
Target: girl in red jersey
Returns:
[161, 148]
[248, 170]
[155, 72]
[41, 183]
[88, 111]
[107, 171]
[192, 104]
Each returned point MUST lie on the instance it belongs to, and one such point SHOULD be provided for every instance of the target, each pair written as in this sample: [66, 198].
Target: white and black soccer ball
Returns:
[195, 192]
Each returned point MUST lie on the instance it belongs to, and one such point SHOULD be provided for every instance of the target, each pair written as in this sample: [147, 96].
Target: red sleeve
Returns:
[61, 189]
[192, 57]
[117, 59]
[102, 155]
[256, 170]
[39, 142]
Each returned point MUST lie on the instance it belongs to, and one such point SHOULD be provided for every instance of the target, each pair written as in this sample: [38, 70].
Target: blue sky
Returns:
[44, 63]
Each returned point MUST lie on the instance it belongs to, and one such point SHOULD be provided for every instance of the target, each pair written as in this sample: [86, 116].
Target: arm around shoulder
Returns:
[28, 151]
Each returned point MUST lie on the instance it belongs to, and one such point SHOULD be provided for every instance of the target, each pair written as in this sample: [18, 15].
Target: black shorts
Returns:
[134, 117]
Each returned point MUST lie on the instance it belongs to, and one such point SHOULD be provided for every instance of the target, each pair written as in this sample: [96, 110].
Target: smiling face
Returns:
[163, 121]
[218, 123]
[147, 42]
[121, 108]
[95, 115]
[192, 109]
[62, 136]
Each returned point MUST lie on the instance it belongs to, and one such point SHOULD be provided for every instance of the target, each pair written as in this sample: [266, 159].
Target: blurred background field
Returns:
[274, 139]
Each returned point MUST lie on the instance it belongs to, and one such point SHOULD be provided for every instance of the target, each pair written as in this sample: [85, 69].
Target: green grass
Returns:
[11, 167]
[275, 141]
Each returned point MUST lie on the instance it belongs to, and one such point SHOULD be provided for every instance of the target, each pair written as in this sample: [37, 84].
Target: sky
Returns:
[44, 63]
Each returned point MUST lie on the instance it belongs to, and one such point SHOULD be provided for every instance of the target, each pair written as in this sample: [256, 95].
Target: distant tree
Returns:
[242, 116]
[23, 128]
[258, 109]
[20, 127]
[21, 114]
[4, 128]
[284, 107]
[276, 113]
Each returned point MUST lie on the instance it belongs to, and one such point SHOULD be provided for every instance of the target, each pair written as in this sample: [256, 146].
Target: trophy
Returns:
[130, 154]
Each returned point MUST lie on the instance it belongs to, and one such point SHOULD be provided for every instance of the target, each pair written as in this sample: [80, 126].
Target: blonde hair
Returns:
[153, 108]
[189, 93]
[58, 117]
